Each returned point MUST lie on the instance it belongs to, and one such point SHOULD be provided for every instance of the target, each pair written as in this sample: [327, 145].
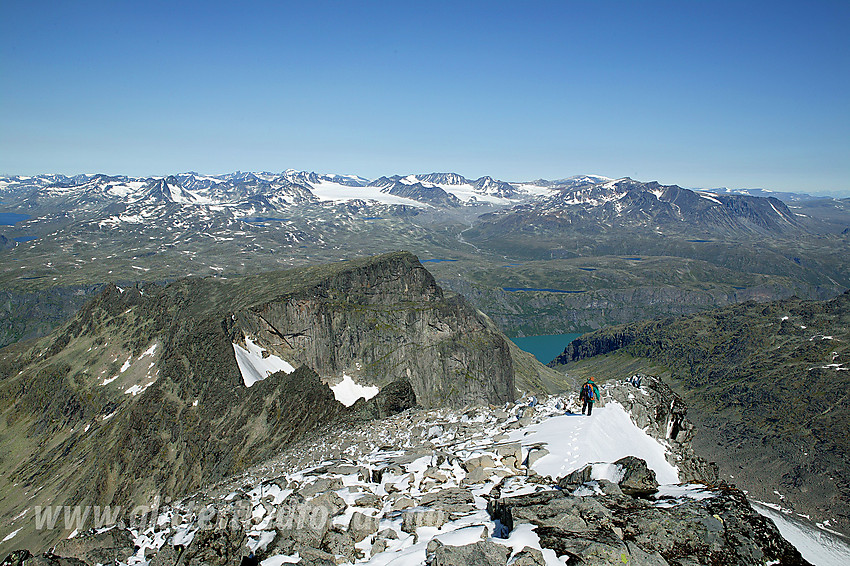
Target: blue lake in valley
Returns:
[12, 218]
[514, 289]
[546, 347]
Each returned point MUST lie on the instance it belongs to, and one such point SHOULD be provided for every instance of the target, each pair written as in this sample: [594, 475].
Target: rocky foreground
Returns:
[446, 487]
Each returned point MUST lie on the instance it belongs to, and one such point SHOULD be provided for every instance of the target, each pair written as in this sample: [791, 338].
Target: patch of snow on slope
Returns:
[254, 367]
[336, 192]
[709, 196]
[348, 391]
[819, 547]
[609, 434]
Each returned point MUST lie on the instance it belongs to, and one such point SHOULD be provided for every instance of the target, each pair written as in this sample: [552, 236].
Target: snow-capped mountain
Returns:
[628, 203]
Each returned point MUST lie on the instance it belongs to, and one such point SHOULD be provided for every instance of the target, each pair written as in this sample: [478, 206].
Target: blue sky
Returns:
[700, 94]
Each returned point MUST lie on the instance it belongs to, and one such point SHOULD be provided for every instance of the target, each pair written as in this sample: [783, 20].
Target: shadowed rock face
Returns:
[93, 417]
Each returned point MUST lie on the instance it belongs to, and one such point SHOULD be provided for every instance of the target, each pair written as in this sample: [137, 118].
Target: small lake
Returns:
[513, 289]
[546, 347]
[12, 218]
[25, 238]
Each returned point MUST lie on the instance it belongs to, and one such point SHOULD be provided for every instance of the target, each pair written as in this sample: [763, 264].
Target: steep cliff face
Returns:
[386, 321]
[141, 394]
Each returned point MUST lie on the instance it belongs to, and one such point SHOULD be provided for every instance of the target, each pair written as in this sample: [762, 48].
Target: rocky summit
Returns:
[160, 390]
[530, 483]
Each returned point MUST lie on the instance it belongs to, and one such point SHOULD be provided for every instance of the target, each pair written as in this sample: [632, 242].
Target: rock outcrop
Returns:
[612, 528]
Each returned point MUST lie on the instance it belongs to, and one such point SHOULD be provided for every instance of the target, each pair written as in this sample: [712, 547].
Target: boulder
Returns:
[331, 501]
[455, 500]
[369, 500]
[340, 543]
[321, 485]
[301, 521]
[403, 502]
[362, 526]
[511, 454]
[638, 479]
[534, 455]
[479, 553]
[485, 461]
[415, 518]
[529, 557]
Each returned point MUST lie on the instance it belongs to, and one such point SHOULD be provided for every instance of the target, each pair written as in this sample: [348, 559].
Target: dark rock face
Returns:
[385, 321]
[617, 529]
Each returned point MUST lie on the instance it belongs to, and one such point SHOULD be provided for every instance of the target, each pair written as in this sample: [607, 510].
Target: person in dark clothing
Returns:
[250, 560]
[589, 394]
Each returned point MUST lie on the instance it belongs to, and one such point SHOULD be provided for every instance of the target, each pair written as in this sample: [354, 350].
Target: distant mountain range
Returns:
[713, 247]
[296, 187]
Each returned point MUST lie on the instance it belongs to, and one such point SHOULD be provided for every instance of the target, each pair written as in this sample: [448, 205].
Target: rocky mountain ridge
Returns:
[453, 487]
[204, 377]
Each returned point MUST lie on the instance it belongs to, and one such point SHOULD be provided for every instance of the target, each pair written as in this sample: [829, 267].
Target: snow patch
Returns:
[254, 367]
[11, 535]
[819, 547]
[348, 391]
[575, 441]
[709, 196]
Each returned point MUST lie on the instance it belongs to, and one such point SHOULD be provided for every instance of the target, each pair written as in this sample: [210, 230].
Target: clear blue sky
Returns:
[701, 94]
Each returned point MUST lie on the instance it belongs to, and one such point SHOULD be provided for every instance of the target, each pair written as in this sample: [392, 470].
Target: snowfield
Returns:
[254, 367]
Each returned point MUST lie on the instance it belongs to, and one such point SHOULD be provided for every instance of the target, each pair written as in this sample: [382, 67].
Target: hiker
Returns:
[249, 560]
[589, 395]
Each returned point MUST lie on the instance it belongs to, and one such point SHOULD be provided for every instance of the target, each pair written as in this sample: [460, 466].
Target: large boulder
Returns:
[481, 553]
[637, 478]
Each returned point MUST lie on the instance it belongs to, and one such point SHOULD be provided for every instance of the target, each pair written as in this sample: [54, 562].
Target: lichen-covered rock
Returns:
[454, 500]
[16, 558]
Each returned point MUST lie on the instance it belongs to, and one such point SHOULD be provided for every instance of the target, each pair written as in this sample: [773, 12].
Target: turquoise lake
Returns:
[546, 347]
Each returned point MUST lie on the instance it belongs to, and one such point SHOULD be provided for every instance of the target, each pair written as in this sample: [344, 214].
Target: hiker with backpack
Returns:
[589, 394]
